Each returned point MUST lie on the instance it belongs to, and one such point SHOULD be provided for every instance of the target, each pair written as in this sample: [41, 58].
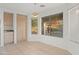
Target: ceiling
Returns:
[30, 7]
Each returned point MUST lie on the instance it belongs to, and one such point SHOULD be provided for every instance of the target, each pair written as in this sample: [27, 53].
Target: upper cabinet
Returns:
[8, 20]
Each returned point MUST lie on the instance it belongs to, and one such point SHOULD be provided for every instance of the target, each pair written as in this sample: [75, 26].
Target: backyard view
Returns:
[53, 25]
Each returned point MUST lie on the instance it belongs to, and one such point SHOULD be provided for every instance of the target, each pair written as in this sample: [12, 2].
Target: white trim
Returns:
[15, 28]
[2, 28]
[29, 27]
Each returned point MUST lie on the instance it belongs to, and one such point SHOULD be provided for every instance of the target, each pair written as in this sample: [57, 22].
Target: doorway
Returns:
[21, 27]
[8, 28]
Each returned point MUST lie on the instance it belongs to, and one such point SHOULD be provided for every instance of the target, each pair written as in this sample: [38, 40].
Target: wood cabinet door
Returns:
[8, 28]
[21, 27]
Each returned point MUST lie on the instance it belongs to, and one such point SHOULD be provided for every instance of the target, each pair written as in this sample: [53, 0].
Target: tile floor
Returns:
[32, 48]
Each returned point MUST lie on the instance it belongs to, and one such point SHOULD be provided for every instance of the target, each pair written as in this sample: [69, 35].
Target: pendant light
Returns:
[35, 14]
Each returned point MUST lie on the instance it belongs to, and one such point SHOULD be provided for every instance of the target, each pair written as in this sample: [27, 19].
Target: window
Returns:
[34, 25]
[53, 25]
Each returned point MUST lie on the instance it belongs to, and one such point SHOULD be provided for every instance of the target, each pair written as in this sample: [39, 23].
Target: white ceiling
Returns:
[30, 7]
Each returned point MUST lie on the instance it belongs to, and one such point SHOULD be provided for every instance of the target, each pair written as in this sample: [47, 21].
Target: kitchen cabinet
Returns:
[8, 28]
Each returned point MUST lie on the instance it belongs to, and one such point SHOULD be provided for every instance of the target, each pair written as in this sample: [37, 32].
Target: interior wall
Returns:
[64, 42]
[21, 27]
[46, 13]
[74, 22]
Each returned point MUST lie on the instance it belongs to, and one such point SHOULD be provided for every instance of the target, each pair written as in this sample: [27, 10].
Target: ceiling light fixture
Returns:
[35, 14]
[42, 5]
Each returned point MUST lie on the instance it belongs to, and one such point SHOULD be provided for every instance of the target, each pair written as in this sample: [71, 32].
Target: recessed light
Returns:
[35, 3]
[42, 5]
